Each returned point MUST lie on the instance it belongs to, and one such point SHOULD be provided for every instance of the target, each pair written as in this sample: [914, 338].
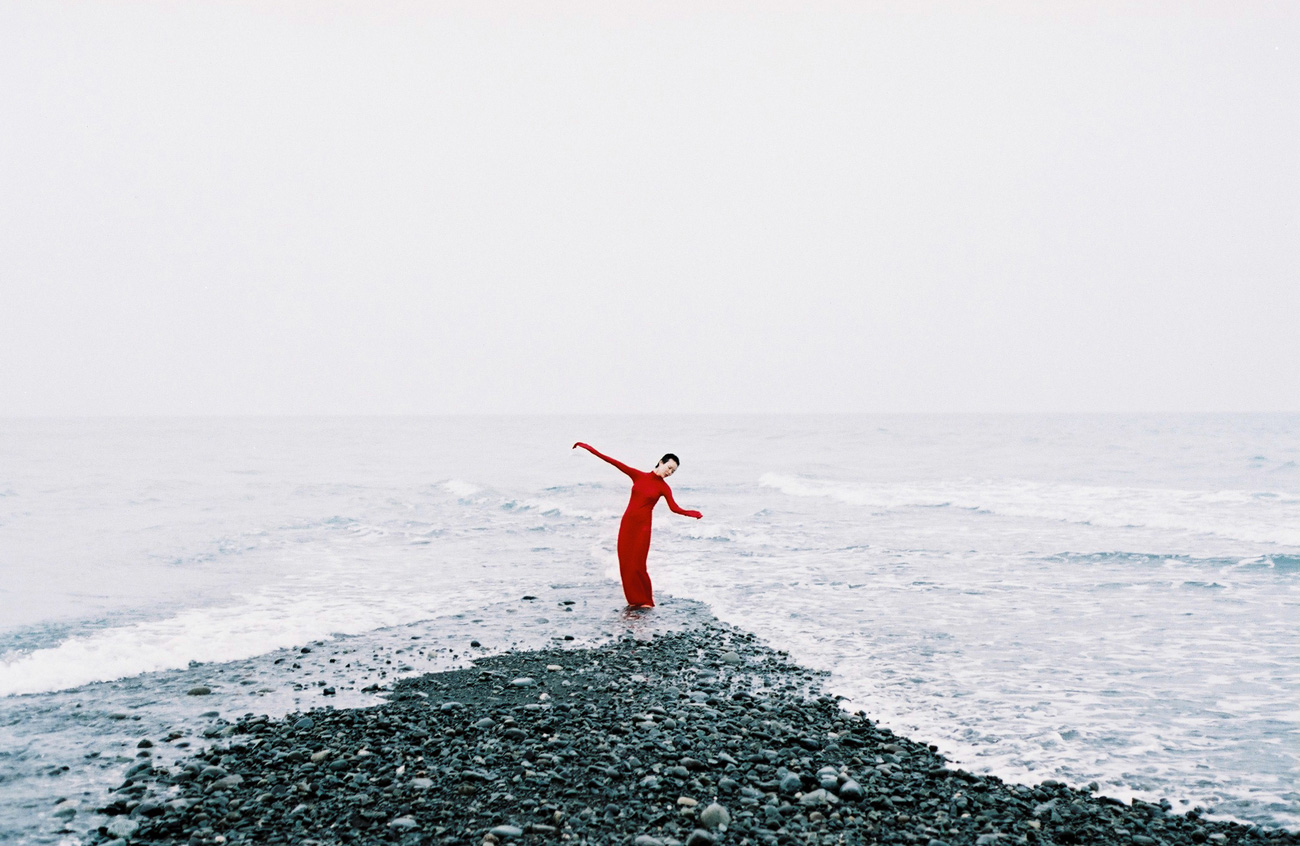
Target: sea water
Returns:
[1084, 598]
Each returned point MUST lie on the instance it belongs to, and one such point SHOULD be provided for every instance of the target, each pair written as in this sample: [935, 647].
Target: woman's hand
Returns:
[697, 515]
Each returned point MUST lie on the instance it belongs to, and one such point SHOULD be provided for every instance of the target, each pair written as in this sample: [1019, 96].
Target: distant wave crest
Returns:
[1257, 516]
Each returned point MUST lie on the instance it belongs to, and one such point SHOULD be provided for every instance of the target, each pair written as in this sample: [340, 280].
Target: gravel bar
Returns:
[698, 737]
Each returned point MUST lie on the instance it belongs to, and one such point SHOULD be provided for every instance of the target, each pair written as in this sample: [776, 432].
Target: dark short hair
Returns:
[670, 457]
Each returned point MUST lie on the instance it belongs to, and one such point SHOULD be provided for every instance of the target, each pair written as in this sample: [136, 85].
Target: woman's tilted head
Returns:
[667, 465]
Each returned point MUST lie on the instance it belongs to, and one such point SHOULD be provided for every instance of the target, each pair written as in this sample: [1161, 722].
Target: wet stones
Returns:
[649, 743]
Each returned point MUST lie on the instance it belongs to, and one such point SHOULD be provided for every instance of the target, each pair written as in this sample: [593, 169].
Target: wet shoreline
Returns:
[700, 735]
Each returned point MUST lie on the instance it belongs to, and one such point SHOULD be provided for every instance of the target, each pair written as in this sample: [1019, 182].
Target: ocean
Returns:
[1098, 598]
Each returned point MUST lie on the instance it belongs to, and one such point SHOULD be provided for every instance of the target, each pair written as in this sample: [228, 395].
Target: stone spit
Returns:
[698, 737]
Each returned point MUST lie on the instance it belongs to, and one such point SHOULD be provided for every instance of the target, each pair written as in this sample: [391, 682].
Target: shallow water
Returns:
[1081, 598]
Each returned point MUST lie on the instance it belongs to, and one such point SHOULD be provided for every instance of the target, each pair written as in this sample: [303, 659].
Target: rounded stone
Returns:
[715, 816]
[700, 837]
[852, 791]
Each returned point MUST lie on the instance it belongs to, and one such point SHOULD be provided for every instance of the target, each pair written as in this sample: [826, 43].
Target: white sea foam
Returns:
[461, 488]
[556, 508]
[1262, 517]
[269, 619]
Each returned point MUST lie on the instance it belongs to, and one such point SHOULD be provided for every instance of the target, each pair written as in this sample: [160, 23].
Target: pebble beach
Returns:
[700, 736]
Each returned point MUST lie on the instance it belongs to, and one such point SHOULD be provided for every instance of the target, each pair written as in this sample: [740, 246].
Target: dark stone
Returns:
[700, 837]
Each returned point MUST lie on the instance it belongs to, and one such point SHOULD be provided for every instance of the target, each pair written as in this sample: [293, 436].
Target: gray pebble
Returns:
[818, 797]
[506, 831]
[121, 827]
[715, 816]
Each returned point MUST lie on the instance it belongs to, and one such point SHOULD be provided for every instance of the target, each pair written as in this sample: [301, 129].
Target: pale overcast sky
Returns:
[280, 208]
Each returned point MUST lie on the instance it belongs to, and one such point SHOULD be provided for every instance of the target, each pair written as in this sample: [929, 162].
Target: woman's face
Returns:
[665, 470]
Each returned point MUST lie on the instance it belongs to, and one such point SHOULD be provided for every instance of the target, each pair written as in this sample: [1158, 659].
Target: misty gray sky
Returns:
[278, 208]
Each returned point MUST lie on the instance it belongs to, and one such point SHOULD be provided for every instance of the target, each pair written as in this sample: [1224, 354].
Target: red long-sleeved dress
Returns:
[634, 531]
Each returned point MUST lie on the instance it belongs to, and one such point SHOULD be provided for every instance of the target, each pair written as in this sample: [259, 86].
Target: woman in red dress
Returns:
[634, 531]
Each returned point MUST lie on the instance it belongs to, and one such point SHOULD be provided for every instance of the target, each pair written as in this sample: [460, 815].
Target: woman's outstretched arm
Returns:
[620, 465]
[677, 509]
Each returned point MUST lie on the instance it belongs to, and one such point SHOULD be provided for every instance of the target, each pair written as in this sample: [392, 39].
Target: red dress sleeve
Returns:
[631, 472]
[675, 508]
